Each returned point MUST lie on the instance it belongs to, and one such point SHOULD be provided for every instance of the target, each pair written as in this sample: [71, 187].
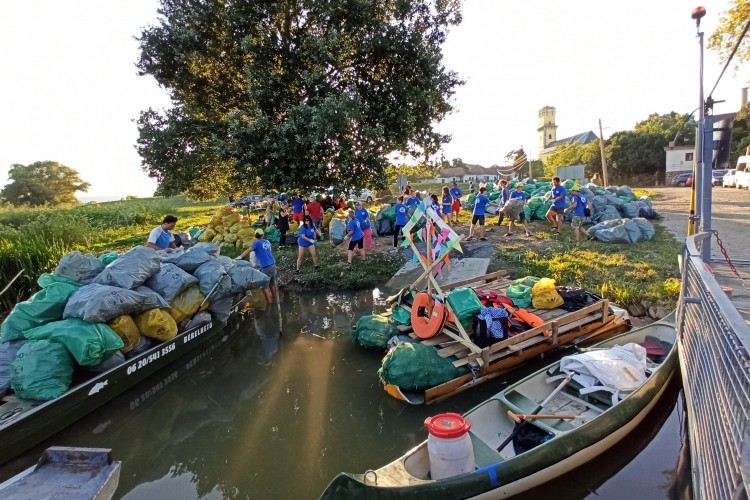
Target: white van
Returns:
[742, 174]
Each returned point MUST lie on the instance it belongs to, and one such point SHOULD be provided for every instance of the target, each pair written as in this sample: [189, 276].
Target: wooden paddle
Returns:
[518, 417]
[535, 412]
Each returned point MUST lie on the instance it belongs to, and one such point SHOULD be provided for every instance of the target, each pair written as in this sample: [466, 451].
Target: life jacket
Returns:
[523, 316]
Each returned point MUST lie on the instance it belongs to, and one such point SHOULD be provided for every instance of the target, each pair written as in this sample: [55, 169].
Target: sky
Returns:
[70, 91]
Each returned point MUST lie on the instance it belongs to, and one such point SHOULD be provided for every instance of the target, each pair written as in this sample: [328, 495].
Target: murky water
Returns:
[262, 415]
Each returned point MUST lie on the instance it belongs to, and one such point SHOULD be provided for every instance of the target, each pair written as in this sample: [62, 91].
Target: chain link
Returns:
[729, 261]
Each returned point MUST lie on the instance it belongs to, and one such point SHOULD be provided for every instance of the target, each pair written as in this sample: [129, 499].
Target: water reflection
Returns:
[278, 407]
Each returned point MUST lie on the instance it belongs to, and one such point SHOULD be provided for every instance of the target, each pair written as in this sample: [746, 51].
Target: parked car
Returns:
[363, 195]
[730, 178]
[682, 179]
[248, 200]
[717, 177]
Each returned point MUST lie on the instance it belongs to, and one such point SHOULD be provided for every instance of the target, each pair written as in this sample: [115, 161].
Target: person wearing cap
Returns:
[266, 263]
[456, 193]
[520, 195]
[578, 207]
[356, 238]
[363, 216]
[555, 212]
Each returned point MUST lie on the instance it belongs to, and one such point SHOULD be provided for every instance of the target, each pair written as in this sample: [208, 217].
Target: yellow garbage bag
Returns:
[208, 235]
[235, 228]
[126, 329]
[186, 303]
[216, 220]
[218, 239]
[544, 295]
[246, 232]
[157, 324]
[231, 219]
[220, 229]
[230, 238]
[225, 210]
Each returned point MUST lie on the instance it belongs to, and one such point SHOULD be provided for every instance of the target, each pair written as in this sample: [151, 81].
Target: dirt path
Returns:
[730, 217]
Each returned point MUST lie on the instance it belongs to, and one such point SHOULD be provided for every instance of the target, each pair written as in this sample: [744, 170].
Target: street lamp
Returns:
[697, 187]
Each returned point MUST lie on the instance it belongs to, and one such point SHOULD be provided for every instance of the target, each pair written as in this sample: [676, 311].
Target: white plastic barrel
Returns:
[449, 445]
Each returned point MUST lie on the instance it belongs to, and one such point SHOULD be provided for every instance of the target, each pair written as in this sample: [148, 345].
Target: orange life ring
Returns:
[427, 316]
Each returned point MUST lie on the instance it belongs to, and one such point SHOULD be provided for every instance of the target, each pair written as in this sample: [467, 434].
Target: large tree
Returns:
[42, 182]
[294, 93]
[671, 125]
[731, 25]
[635, 154]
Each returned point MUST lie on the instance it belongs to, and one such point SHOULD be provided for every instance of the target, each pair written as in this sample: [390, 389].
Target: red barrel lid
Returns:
[447, 425]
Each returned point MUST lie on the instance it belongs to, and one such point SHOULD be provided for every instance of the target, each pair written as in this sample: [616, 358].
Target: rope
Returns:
[729, 59]
[12, 281]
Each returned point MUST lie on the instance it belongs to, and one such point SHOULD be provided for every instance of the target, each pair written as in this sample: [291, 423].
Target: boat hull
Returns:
[24, 423]
[522, 472]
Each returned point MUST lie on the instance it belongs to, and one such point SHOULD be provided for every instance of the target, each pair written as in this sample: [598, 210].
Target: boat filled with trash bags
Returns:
[98, 325]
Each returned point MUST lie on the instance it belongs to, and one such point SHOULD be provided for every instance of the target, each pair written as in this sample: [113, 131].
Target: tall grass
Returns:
[35, 239]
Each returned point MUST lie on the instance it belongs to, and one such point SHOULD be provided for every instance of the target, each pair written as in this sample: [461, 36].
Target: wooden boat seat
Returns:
[484, 456]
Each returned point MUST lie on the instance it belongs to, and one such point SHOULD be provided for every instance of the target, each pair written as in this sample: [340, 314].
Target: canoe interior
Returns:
[491, 424]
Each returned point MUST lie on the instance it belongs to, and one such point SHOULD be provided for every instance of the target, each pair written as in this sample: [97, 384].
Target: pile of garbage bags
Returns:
[93, 316]
[622, 230]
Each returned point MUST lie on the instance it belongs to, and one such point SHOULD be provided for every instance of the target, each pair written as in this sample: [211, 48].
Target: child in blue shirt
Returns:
[402, 216]
[578, 207]
[447, 205]
[356, 238]
[477, 218]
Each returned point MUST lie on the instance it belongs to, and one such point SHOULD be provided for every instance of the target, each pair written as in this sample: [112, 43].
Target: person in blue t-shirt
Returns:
[504, 197]
[471, 186]
[578, 207]
[435, 205]
[447, 205]
[456, 193]
[356, 238]
[363, 216]
[266, 263]
[298, 208]
[413, 199]
[477, 218]
[306, 239]
[555, 212]
[402, 216]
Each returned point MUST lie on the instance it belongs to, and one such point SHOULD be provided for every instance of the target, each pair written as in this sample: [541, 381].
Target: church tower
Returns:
[547, 129]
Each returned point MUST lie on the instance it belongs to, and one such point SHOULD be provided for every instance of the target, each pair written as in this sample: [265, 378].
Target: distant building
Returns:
[679, 158]
[468, 173]
[548, 134]
[451, 174]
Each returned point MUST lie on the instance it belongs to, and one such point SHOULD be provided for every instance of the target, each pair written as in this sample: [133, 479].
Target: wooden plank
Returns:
[528, 343]
[485, 278]
[452, 350]
[437, 339]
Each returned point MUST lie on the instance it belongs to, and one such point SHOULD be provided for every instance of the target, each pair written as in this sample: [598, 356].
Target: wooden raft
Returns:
[560, 327]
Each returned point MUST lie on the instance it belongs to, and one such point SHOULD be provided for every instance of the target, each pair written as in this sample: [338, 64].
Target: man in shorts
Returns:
[477, 218]
[298, 208]
[519, 194]
[266, 263]
[578, 207]
[555, 213]
[456, 193]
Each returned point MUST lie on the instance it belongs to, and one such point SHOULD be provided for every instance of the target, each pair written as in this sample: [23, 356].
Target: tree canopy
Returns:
[731, 25]
[670, 125]
[293, 94]
[42, 182]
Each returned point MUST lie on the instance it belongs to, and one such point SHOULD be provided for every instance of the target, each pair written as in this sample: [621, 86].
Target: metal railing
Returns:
[714, 346]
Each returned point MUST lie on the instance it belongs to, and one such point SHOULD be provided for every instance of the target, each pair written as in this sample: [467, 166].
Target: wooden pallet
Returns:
[560, 327]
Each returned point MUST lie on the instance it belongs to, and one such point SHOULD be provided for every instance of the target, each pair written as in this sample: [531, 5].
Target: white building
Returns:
[679, 158]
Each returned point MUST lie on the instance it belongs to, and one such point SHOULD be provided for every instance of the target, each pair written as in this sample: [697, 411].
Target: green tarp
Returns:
[89, 343]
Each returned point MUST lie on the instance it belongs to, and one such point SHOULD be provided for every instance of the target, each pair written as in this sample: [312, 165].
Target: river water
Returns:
[266, 415]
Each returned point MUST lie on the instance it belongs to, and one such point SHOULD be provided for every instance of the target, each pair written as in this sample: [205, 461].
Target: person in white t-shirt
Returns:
[161, 237]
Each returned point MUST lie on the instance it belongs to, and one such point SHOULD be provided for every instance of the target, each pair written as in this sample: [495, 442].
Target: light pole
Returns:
[697, 187]
[604, 160]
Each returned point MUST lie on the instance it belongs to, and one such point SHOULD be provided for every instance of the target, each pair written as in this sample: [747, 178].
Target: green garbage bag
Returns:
[44, 306]
[414, 366]
[193, 232]
[495, 195]
[540, 213]
[273, 235]
[471, 200]
[374, 331]
[42, 370]
[527, 212]
[108, 258]
[528, 281]
[390, 214]
[401, 316]
[89, 343]
[534, 202]
[464, 302]
[568, 183]
[520, 294]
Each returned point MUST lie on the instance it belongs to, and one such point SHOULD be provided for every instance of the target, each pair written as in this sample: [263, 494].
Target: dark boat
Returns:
[25, 423]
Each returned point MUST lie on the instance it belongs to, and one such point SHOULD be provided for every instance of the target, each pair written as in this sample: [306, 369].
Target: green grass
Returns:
[625, 274]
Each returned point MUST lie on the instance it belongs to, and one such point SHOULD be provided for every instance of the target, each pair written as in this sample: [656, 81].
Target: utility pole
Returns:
[604, 160]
